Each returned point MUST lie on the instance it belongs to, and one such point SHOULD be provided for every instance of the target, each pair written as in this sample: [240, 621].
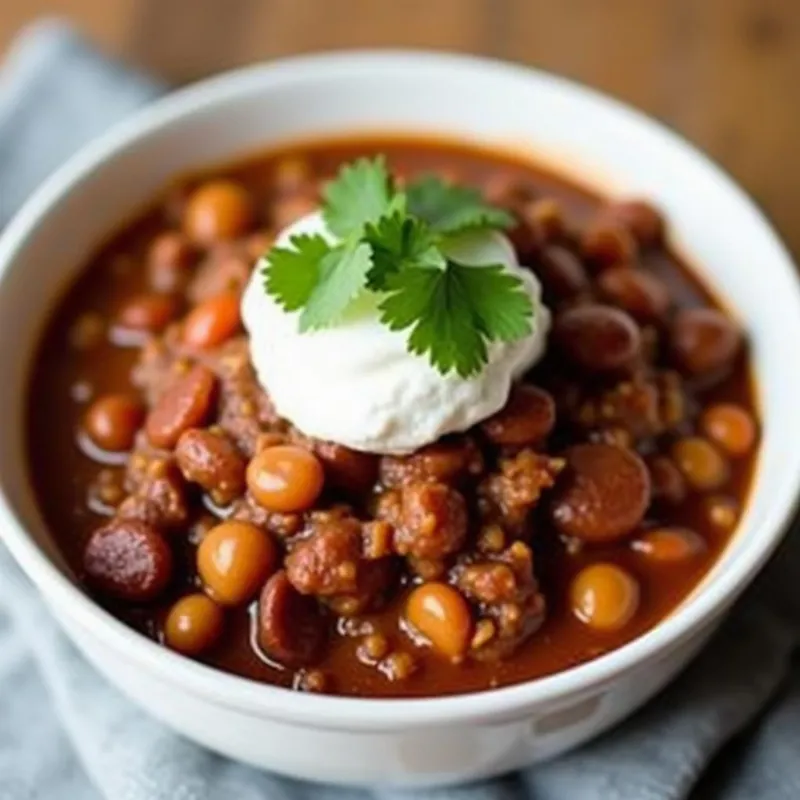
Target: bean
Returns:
[597, 338]
[527, 418]
[170, 259]
[233, 561]
[701, 463]
[604, 597]
[212, 322]
[218, 210]
[731, 427]
[212, 461]
[193, 625]
[668, 486]
[561, 272]
[128, 559]
[669, 545]
[641, 218]
[604, 495]
[186, 404]
[349, 470]
[641, 294]
[607, 243]
[291, 628]
[703, 341]
[148, 312]
[441, 616]
[285, 478]
[113, 420]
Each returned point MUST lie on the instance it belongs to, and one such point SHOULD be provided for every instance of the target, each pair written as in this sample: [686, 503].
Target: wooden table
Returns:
[725, 73]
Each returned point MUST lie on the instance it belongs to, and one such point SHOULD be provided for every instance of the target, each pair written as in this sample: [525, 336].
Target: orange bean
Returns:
[193, 625]
[731, 427]
[604, 597]
[285, 478]
[213, 321]
[440, 614]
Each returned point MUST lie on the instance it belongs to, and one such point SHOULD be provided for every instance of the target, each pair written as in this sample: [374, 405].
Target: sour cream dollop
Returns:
[357, 385]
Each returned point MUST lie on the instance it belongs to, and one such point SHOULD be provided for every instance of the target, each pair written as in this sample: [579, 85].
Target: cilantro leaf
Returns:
[399, 242]
[454, 312]
[342, 275]
[500, 303]
[451, 209]
[291, 273]
[359, 194]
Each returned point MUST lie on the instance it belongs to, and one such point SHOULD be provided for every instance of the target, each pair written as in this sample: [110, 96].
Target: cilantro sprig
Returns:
[395, 243]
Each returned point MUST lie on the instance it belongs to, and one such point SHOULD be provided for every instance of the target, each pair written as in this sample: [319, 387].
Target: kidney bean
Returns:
[641, 218]
[148, 312]
[668, 486]
[186, 404]
[291, 628]
[604, 495]
[212, 322]
[561, 272]
[348, 470]
[113, 420]
[641, 294]
[527, 418]
[211, 460]
[606, 243]
[597, 338]
[170, 259]
[704, 341]
[128, 559]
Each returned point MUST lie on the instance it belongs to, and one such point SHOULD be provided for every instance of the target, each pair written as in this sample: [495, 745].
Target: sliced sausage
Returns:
[291, 628]
[604, 495]
[128, 559]
[186, 404]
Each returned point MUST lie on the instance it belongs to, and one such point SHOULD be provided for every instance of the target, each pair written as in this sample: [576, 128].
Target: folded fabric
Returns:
[66, 733]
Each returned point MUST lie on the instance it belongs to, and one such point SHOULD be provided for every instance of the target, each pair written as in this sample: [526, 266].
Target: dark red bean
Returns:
[607, 243]
[604, 494]
[349, 470]
[641, 218]
[527, 418]
[704, 341]
[668, 486]
[186, 404]
[597, 338]
[561, 272]
[128, 559]
[291, 628]
[640, 293]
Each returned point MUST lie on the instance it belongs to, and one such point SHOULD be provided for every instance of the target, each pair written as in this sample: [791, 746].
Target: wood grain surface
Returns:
[722, 72]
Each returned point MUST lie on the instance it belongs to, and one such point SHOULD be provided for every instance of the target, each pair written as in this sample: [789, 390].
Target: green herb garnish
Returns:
[395, 243]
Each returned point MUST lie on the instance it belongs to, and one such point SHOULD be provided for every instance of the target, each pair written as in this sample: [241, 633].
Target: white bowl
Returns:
[440, 740]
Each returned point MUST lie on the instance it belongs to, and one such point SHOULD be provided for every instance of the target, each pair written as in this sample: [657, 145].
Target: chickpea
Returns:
[604, 597]
[193, 625]
[113, 420]
[731, 427]
[669, 545]
[234, 560]
[700, 462]
[285, 478]
[213, 321]
[440, 614]
[218, 210]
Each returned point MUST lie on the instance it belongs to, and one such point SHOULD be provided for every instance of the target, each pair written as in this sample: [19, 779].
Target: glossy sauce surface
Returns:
[65, 467]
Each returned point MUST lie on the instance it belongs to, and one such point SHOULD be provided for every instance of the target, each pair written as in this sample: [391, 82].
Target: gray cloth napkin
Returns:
[65, 733]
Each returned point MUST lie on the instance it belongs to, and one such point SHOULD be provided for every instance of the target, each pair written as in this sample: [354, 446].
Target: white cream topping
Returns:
[356, 384]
